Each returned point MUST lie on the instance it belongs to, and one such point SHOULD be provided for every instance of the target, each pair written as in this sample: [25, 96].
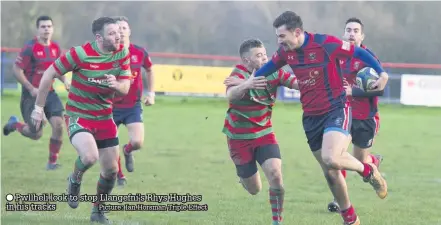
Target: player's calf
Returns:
[269, 158]
[86, 147]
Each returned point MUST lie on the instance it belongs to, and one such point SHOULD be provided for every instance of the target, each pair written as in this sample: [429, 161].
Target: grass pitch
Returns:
[185, 152]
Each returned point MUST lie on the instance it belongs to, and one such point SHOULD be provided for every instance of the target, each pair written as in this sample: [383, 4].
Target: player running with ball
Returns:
[248, 127]
[326, 118]
[99, 70]
[364, 105]
[127, 110]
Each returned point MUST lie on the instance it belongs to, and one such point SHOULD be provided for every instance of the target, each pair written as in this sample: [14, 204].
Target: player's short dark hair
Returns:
[247, 45]
[290, 19]
[42, 18]
[98, 24]
[355, 20]
[121, 18]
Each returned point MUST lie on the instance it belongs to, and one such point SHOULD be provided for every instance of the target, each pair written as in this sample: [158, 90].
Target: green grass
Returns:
[185, 152]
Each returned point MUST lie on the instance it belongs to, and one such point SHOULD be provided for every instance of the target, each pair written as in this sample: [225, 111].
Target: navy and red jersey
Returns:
[317, 68]
[362, 107]
[139, 58]
[34, 58]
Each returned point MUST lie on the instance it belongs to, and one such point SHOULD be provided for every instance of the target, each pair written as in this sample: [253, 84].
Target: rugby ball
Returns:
[366, 77]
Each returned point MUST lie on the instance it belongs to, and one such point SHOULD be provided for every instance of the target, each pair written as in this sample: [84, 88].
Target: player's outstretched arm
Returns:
[237, 92]
[45, 86]
[371, 61]
[288, 80]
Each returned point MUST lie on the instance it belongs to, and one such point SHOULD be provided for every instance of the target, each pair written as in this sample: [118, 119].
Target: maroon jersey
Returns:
[318, 72]
[35, 58]
[139, 58]
[362, 107]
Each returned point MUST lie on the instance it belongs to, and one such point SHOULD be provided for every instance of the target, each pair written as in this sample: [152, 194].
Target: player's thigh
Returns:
[268, 155]
[80, 135]
[242, 155]
[85, 145]
[106, 136]
[136, 133]
[269, 158]
[313, 127]
[54, 106]
[336, 131]
[27, 105]
[363, 133]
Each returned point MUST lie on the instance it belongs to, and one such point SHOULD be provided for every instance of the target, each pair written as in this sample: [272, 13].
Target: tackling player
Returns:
[34, 58]
[99, 70]
[326, 118]
[364, 105]
[248, 127]
[127, 110]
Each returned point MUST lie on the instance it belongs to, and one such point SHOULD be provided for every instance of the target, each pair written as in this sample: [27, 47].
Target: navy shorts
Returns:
[52, 107]
[364, 131]
[339, 119]
[128, 115]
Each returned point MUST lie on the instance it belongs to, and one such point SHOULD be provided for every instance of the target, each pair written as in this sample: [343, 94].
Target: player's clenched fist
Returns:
[37, 117]
[111, 80]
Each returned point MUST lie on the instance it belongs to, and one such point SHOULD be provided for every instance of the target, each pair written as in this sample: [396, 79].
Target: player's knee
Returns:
[275, 176]
[254, 189]
[90, 158]
[136, 144]
[110, 172]
[36, 136]
[58, 127]
[332, 162]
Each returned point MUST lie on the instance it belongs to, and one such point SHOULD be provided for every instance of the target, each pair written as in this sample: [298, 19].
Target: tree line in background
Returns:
[405, 32]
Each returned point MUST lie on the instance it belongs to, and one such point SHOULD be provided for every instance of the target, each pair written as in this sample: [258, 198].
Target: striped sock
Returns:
[79, 170]
[276, 201]
[104, 186]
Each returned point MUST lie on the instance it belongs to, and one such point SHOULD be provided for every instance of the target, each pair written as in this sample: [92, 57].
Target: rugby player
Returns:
[99, 70]
[327, 117]
[248, 127]
[365, 118]
[34, 58]
[127, 110]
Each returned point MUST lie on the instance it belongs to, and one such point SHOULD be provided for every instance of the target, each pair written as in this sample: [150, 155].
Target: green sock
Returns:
[79, 170]
[104, 186]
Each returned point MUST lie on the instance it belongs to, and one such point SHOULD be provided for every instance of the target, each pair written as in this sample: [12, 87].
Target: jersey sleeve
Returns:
[23, 59]
[278, 58]
[338, 48]
[67, 62]
[147, 61]
[125, 73]
[287, 79]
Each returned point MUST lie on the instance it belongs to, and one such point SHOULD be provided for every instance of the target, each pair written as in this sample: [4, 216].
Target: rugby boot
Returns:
[9, 127]
[377, 181]
[97, 216]
[355, 222]
[121, 181]
[129, 160]
[52, 166]
[333, 207]
[73, 192]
